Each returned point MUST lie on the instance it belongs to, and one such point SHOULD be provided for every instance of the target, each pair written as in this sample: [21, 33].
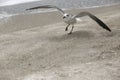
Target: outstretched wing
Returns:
[103, 25]
[47, 6]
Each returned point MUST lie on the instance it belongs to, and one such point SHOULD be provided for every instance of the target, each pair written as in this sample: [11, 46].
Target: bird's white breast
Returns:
[70, 20]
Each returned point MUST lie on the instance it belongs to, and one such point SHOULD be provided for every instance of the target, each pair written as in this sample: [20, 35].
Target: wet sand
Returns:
[36, 47]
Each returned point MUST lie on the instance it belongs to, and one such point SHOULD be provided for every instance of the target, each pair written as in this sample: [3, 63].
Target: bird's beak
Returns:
[63, 17]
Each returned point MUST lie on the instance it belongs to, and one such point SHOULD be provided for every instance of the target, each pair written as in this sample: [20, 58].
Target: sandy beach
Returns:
[36, 47]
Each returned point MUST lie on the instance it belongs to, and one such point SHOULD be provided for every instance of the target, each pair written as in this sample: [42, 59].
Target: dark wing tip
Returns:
[109, 29]
[32, 8]
[105, 27]
[29, 9]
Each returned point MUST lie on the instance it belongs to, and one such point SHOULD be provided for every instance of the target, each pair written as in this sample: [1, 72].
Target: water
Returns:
[64, 4]
[4, 16]
[80, 3]
[12, 2]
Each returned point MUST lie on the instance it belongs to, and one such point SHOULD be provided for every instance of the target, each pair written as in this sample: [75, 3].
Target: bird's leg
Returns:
[71, 30]
[67, 27]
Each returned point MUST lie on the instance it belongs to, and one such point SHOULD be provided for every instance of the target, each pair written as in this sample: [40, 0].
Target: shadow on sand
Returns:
[74, 35]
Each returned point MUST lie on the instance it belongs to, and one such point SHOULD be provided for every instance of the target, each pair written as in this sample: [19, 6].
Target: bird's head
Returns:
[66, 15]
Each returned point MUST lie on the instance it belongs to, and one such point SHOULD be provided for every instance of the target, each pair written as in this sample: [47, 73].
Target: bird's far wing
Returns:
[103, 25]
[47, 6]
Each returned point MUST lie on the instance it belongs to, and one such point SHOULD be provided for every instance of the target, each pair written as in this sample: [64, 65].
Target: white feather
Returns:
[78, 19]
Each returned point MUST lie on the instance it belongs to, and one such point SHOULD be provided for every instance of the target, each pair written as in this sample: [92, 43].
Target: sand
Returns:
[36, 47]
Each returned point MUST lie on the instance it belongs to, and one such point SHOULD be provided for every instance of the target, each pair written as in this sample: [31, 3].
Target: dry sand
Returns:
[36, 47]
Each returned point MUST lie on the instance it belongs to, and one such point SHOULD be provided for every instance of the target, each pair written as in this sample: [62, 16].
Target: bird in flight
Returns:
[72, 19]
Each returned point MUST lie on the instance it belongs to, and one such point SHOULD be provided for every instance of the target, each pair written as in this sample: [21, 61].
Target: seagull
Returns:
[70, 19]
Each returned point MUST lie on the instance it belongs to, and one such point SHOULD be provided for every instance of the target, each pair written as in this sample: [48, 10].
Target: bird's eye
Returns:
[64, 17]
